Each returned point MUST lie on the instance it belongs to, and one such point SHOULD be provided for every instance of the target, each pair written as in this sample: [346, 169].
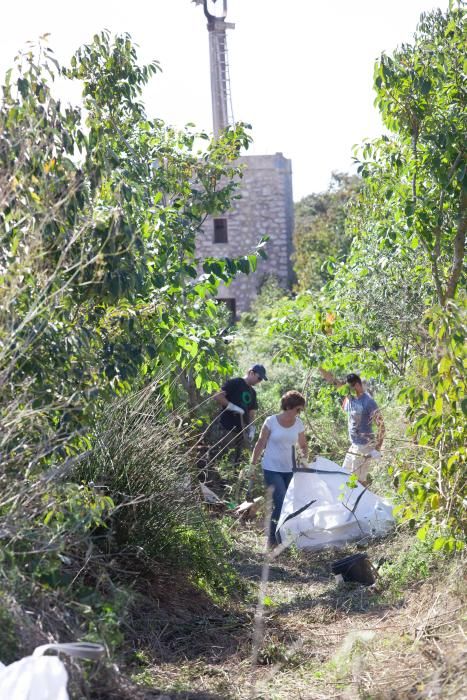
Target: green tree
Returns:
[320, 230]
[416, 194]
[400, 289]
[104, 300]
[407, 224]
[98, 227]
[431, 479]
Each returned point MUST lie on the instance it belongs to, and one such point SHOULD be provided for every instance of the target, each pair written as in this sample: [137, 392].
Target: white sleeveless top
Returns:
[277, 456]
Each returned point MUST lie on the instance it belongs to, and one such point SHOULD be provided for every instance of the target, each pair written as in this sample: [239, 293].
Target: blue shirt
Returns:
[360, 412]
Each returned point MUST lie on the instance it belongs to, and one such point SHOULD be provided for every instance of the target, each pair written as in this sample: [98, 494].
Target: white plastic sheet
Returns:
[321, 510]
[34, 678]
[39, 677]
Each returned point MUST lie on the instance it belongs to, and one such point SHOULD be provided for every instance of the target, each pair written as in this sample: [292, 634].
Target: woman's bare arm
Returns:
[260, 445]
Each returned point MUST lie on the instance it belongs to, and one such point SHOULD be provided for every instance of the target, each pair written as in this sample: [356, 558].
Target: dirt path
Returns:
[319, 640]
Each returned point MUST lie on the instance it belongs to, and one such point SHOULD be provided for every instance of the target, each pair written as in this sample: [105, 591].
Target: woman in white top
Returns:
[279, 436]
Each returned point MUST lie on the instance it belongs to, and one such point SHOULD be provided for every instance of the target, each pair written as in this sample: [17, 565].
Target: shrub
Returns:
[145, 459]
[432, 483]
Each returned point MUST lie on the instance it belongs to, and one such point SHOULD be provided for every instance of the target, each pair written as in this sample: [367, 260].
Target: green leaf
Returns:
[190, 346]
[445, 364]
[253, 260]
[422, 532]
[439, 543]
[49, 517]
[23, 87]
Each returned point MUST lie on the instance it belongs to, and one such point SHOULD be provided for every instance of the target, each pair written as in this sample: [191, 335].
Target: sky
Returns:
[301, 70]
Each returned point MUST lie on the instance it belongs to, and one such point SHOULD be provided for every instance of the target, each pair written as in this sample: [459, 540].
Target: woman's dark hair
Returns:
[292, 399]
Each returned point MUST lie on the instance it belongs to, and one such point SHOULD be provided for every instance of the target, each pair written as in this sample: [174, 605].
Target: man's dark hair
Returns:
[353, 379]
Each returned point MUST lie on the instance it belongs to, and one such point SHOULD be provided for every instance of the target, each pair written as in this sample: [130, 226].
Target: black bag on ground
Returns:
[357, 568]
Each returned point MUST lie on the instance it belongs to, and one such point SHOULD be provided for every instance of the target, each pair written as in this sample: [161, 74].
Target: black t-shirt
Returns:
[241, 394]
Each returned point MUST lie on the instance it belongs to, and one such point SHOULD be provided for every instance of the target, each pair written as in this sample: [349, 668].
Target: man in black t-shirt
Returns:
[238, 401]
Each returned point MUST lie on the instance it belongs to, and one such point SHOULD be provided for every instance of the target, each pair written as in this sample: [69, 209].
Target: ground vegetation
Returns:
[111, 344]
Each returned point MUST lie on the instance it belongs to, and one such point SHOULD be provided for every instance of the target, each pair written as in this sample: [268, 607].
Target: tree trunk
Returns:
[459, 249]
[194, 397]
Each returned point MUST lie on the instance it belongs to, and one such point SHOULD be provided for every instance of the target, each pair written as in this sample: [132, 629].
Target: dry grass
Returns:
[317, 641]
[320, 641]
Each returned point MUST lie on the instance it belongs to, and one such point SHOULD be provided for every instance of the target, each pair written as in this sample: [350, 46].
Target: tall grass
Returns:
[145, 458]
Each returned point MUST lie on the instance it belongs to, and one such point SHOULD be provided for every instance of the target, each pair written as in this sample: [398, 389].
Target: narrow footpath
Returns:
[318, 640]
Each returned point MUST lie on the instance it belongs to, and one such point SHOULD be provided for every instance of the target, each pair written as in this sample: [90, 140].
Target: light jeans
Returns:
[358, 460]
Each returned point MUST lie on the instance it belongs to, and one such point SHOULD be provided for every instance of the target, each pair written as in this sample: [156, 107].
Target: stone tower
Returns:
[266, 203]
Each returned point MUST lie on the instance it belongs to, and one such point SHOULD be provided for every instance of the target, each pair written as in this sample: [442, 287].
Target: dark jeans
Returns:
[280, 482]
[224, 441]
[232, 441]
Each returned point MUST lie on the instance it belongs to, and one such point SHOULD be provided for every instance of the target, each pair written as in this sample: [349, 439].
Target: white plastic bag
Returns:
[320, 510]
[34, 678]
[39, 677]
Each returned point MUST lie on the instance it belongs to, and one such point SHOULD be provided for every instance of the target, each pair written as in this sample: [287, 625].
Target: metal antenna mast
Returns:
[222, 113]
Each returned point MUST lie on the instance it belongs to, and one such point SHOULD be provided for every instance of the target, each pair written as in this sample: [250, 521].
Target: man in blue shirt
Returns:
[363, 413]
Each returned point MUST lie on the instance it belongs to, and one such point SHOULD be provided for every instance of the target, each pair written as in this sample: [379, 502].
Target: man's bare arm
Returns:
[330, 378]
[302, 443]
[221, 399]
[251, 416]
[381, 430]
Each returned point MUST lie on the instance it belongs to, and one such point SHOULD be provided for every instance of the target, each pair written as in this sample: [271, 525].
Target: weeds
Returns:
[9, 641]
[144, 460]
[411, 565]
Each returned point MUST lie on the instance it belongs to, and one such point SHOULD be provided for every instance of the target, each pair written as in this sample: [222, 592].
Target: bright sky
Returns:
[301, 70]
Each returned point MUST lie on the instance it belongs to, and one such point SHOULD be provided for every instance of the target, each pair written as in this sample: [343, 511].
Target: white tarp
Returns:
[321, 510]
[34, 678]
[40, 677]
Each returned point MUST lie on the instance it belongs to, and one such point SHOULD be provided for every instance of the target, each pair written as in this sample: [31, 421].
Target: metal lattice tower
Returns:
[222, 112]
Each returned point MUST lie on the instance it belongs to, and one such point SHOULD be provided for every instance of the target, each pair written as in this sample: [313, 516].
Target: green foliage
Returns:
[146, 461]
[102, 293]
[285, 330]
[433, 485]
[320, 230]
[75, 506]
[407, 225]
[103, 618]
[58, 522]
[410, 566]
[415, 178]
[8, 634]
[98, 224]
[51, 561]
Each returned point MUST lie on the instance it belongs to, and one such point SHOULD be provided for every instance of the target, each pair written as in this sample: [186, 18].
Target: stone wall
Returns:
[265, 208]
